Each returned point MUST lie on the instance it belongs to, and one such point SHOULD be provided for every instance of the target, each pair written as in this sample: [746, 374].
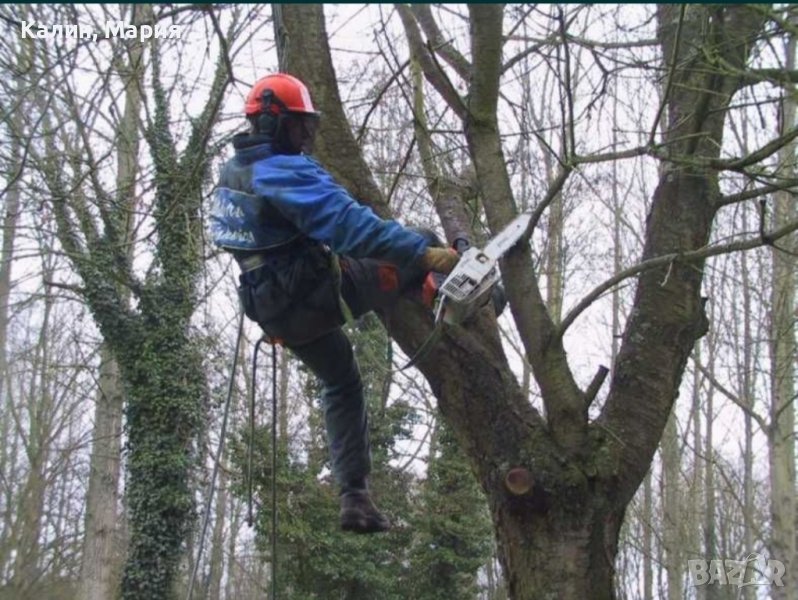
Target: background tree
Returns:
[151, 339]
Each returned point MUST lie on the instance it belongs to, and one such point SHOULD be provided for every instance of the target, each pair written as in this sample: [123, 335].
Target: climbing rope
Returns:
[217, 458]
[250, 516]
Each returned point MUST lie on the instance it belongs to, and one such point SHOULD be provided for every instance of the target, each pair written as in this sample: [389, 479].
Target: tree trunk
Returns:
[672, 510]
[11, 212]
[10, 208]
[153, 341]
[710, 528]
[694, 548]
[747, 398]
[103, 548]
[101, 544]
[27, 567]
[781, 438]
[566, 554]
[217, 539]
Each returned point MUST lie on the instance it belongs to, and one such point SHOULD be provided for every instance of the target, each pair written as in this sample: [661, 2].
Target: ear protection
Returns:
[268, 122]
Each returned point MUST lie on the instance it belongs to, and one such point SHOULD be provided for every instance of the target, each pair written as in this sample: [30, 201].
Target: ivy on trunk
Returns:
[158, 355]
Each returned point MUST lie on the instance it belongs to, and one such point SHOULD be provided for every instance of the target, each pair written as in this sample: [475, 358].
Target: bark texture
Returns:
[99, 576]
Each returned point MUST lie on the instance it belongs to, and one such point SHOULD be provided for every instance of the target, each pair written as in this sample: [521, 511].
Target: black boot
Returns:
[358, 513]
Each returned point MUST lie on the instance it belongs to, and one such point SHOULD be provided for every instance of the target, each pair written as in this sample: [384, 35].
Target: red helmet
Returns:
[288, 94]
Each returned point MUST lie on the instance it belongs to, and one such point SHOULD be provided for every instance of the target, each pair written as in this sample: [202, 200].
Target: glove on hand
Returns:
[440, 260]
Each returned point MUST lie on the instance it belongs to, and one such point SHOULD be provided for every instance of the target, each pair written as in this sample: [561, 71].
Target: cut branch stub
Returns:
[519, 481]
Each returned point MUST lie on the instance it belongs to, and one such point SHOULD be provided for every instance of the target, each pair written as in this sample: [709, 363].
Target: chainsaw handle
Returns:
[460, 245]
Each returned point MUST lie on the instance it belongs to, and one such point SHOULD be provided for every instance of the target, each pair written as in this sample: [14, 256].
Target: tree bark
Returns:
[672, 510]
[99, 576]
[781, 437]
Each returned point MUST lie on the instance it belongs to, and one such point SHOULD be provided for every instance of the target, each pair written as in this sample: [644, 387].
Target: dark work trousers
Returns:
[366, 284]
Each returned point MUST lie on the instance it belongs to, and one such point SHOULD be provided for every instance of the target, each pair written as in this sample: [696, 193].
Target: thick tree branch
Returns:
[754, 193]
[769, 149]
[668, 314]
[564, 400]
[336, 145]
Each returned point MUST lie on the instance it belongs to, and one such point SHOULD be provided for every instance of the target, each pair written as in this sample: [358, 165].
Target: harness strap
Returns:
[254, 259]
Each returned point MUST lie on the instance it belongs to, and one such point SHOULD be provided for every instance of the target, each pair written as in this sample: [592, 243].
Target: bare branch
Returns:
[769, 149]
[378, 98]
[787, 184]
[661, 261]
[432, 71]
[551, 194]
[438, 44]
[730, 395]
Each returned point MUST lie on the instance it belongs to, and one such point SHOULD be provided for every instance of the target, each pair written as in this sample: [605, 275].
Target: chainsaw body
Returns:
[469, 285]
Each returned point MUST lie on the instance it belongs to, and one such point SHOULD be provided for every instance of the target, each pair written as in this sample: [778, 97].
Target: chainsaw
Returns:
[469, 285]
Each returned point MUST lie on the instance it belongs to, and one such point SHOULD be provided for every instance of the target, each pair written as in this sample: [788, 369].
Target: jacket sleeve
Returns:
[307, 195]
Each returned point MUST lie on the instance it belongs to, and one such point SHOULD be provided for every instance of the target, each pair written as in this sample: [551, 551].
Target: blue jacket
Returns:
[265, 200]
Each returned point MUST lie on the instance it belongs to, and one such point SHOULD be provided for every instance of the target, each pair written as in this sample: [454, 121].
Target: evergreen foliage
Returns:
[441, 533]
[453, 529]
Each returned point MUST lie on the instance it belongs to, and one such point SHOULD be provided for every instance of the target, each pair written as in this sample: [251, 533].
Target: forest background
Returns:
[118, 317]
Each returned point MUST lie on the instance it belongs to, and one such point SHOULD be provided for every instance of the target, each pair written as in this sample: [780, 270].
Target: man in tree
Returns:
[303, 244]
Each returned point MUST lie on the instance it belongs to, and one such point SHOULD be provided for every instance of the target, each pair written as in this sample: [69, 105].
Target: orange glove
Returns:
[440, 260]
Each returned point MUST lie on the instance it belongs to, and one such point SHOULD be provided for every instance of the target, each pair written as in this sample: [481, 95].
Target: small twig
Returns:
[554, 189]
[394, 76]
[667, 275]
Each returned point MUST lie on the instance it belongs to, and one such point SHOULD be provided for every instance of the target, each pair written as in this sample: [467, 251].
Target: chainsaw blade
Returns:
[507, 237]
